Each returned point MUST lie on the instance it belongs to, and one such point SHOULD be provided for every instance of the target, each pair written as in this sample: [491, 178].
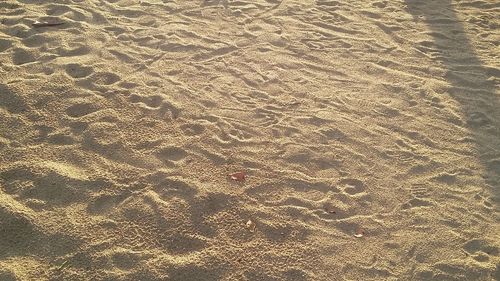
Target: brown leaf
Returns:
[238, 176]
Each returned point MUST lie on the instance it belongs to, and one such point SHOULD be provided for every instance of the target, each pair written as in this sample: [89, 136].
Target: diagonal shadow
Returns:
[473, 84]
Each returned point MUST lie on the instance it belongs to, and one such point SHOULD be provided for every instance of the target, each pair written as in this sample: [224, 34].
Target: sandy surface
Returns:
[118, 129]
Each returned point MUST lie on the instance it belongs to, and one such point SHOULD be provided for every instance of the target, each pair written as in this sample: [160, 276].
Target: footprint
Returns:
[420, 194]
[57, 10]
[10, 100]
[420, 190]
[446, 178]
[115, 30]
[61, 139]
[380, 4]
[147, 21]
[479, 245]
[104, 78]
[76, 70]
[104, 203]
[172, 154]
[166, 187]
[54, 183]
[356, 271]
[296, 275]
[266, 118]
[308, 186]
[127, 85]
[192, 129]
[17, 227]
[478, 119]
[494, 166]
[79, 110]
[155, 105]
[415, 202]
[77, 49]
[125, 260]
[307, 159]
[150, 101]
[352, 186]
[22, 56]
[181, 244]
[214, 157]
[102, 136]
[271, 193]
[387, 111]
[239, 134]
[333, 134]
[36, 40]
[255, 274]
[193, 272]
[481, 257]
[5, 44]
[131, 13]
[17, 30]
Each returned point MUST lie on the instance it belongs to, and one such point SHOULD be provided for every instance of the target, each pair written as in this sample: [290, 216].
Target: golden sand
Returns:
[368, 133]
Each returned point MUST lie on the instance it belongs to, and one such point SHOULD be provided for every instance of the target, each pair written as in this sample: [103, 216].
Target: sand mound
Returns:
[369, 132]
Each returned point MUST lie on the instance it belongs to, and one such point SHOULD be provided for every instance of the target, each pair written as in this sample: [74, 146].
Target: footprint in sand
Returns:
[155, 105]
[125, 259]
[104, 78]
[171, 154]
[61, 139]
[80, 110]
[36, 40]
[76, 70]
[12, 100]
[103, 204]
[480, 245]
[23, 56]
[352, 186]
[5, 44]
[192, 129]
[420, 194]
[193, 272]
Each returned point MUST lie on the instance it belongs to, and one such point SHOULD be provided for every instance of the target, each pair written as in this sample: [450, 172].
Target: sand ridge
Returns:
[119, 127]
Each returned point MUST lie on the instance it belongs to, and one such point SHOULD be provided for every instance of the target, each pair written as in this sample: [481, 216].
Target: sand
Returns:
[368, 132]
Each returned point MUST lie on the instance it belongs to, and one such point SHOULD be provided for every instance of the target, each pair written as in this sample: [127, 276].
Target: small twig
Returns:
[63, 265]
[46, 23]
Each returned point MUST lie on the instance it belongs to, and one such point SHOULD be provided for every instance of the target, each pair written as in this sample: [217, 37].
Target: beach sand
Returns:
[368, 132]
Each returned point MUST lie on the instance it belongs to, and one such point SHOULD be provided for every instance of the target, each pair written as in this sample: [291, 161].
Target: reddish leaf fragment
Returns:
[359, 233]
[238, 176]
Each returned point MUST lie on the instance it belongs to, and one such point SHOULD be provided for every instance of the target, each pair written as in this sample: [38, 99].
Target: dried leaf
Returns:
[359, 233]
[49, 22]
[251, 225]
[238, 176]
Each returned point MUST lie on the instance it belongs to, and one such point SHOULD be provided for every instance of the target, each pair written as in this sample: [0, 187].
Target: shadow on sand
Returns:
[473, 84]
